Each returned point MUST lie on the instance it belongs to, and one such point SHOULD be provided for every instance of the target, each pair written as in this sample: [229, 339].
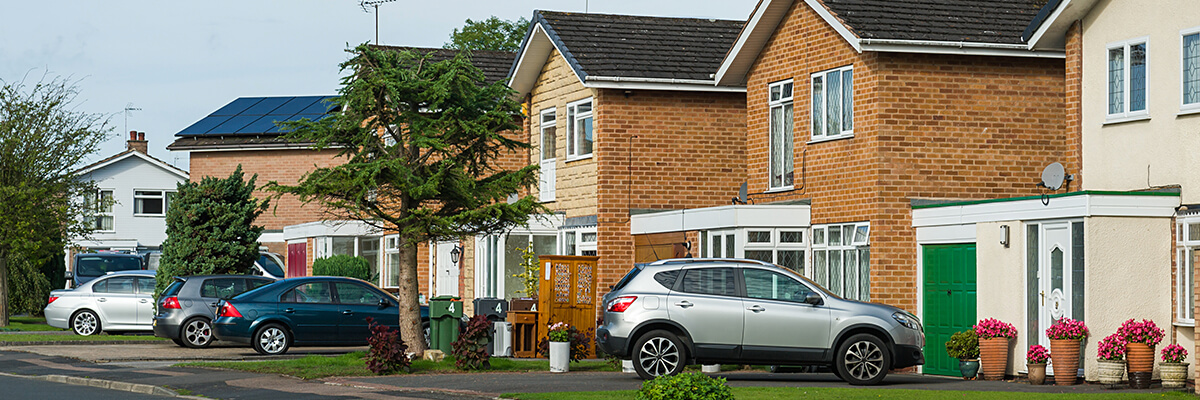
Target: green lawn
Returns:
[842, 393]
[351, 364]
[33, 337]
[28, 324]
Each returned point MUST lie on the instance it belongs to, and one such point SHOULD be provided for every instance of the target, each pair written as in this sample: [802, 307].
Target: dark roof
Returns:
[639, 46]
[493, 64]
[233, 142]
[258, 115]
[986, 21]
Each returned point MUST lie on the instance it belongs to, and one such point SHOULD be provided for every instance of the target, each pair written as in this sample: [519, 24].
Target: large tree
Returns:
[43, 139]
[493, 34]
[210, 229]
[420, 141]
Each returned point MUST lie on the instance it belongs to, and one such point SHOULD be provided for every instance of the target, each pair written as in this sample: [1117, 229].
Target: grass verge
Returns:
[28, 324]
[33, 337]
[854, 393]
[351, 364]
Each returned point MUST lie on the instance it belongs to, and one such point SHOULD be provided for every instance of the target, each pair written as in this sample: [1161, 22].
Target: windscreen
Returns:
[100, 265]
[270, 265]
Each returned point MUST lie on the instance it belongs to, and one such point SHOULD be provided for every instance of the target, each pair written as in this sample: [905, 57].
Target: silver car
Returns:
[118, 301]
[671, 313]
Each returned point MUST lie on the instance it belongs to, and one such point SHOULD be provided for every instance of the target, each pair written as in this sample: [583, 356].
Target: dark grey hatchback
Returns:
[189, 306]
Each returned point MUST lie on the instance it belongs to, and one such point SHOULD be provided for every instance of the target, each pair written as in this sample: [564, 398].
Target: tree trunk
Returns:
[410, 306]
[3, 290]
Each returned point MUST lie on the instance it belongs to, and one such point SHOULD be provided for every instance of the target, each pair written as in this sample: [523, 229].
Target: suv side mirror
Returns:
[814, 299]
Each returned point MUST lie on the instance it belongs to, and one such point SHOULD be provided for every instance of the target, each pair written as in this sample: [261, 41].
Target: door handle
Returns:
[347, 312]
[289, 311]
[142, 301]
[684, 304]
[102, 300]
[1043, 297]
[947, 292]
[757, 308]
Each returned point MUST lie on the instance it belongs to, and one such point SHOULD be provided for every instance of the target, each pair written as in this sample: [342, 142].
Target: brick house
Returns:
[625, 118]
[243, 133]
[855, 110]
[1133, 96]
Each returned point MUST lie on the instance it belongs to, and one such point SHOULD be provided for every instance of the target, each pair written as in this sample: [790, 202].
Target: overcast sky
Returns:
[178, 61]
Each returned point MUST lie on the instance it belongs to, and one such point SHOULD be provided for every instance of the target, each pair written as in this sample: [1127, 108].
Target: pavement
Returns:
[150, 365]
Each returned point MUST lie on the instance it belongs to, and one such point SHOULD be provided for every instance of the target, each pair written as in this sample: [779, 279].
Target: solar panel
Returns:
[203, 126]
[319, 107]
[233, 124]
[297, 117]
[295, 105]
[237, 106]
[263, 124]
[266, 106]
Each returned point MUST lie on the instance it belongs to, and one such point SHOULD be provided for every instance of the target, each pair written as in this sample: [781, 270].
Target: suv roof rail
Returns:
[698, 260]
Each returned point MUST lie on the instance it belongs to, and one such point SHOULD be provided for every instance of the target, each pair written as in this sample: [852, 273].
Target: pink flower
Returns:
[1112, 348]
[1037, 355]
[993, 328]
[1145, 332]
[1174, 353]
[1067, 328]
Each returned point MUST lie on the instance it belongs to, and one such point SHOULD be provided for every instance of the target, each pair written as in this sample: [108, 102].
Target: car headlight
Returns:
[907, 320]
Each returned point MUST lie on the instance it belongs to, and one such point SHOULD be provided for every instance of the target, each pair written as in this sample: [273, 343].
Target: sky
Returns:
[178, 61]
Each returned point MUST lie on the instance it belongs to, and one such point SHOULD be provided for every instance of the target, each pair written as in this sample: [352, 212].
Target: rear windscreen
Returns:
[628, 277]
[270, 265]
[100, 265]
[172, 290]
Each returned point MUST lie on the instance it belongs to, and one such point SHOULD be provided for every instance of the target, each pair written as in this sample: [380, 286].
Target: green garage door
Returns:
[949, 301]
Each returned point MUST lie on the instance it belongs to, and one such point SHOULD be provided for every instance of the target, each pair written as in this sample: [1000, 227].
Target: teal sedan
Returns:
[308, 311]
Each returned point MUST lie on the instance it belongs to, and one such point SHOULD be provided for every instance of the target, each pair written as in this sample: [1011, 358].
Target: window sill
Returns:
[1121, 120]
[578, 158]
[1189, 110]
[1184, 323]
[779, 190]
[150, 215]
[831, 138]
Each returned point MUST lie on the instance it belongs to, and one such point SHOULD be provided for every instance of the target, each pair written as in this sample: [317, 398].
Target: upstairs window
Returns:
[833, 104]
[780, 168]
[579, 129]
[549, 138]
[151, 203]
[102, 206]
[1127, 79]
[1191, 70]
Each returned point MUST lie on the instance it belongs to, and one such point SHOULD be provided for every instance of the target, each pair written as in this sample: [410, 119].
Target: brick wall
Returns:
[284, 166]
[925, 126]
[1074, 102]
[662, 150]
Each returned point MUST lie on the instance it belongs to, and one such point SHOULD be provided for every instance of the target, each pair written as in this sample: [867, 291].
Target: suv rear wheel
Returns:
[862, 360]
[659, 353]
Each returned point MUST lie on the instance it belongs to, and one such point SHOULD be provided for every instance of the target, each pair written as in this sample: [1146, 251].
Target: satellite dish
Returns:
[742, 193]
[1053, 175]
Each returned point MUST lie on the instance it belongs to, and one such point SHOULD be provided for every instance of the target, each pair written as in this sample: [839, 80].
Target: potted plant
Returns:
[560, 346]
[1036, 359]
[965, 347]
[1173, 370]
[994, 336]
[1110, 354]
[1140, 340]
[1066, 337]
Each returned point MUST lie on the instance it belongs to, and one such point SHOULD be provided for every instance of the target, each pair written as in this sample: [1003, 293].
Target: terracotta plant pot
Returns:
[1064, 354]
[1174, 375]
[1110, 372]
[993, 357]
[1037, 373]
[1139, 357]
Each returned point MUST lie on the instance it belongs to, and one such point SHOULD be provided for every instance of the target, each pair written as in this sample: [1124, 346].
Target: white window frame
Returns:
[821, 240]
[1185, 272]
[104, 210]
[1185, 108]
[775, 245]
[542, 125]
[547, 174]
[162, 195]
[577, 233]
[491, 265]
[820, 100]
[574, 139]
[783, 104]
[391, 248]
[1125, 115]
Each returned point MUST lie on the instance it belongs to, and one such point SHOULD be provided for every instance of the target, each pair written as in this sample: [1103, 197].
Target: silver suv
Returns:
[671, 313]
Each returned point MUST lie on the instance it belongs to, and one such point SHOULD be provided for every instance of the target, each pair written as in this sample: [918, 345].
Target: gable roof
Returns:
[626, 51]
[493, 64]
[130, 153]
[973, 27]
[1049, 29]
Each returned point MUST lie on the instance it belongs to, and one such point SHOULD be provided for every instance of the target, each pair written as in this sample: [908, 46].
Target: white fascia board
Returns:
[218, 148]
[531, 60]
[666, 84]
[837, 25]
[974, 49]
[946, 234]
[747, 31]
[110, 243]
[1088, 205]
[1041, 31]
[139, 155]
[329, 228]
[723, 217]
[271, 237]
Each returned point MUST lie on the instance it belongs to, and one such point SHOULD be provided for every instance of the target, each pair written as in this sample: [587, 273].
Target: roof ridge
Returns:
[641, 16]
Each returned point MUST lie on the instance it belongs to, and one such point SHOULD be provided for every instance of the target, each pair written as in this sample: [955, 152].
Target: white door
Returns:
[447, 269]
[1054, 276]
[721, 245]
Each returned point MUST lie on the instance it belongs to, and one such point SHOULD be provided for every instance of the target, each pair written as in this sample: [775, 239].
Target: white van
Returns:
[268, 265]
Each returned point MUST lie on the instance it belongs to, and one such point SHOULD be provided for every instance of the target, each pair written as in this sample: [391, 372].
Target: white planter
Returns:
[627, 367]
[710, 369]
[1174, 375]
[560, 356]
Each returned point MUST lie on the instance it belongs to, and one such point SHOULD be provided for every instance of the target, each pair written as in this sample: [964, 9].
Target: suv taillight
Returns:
[620, 304]
[170, 303]
[228, 310]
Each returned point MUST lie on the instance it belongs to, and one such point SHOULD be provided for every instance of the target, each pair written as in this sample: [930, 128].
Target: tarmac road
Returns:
[18, 388]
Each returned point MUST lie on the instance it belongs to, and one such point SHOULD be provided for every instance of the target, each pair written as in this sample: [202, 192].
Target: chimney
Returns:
[137, 141]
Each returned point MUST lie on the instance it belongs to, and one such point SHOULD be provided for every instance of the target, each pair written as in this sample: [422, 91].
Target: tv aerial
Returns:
[1054, 177]
[375, 4]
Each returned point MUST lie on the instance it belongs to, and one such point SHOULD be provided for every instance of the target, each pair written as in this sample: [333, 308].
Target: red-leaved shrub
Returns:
[470, 350]
[387, 352]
